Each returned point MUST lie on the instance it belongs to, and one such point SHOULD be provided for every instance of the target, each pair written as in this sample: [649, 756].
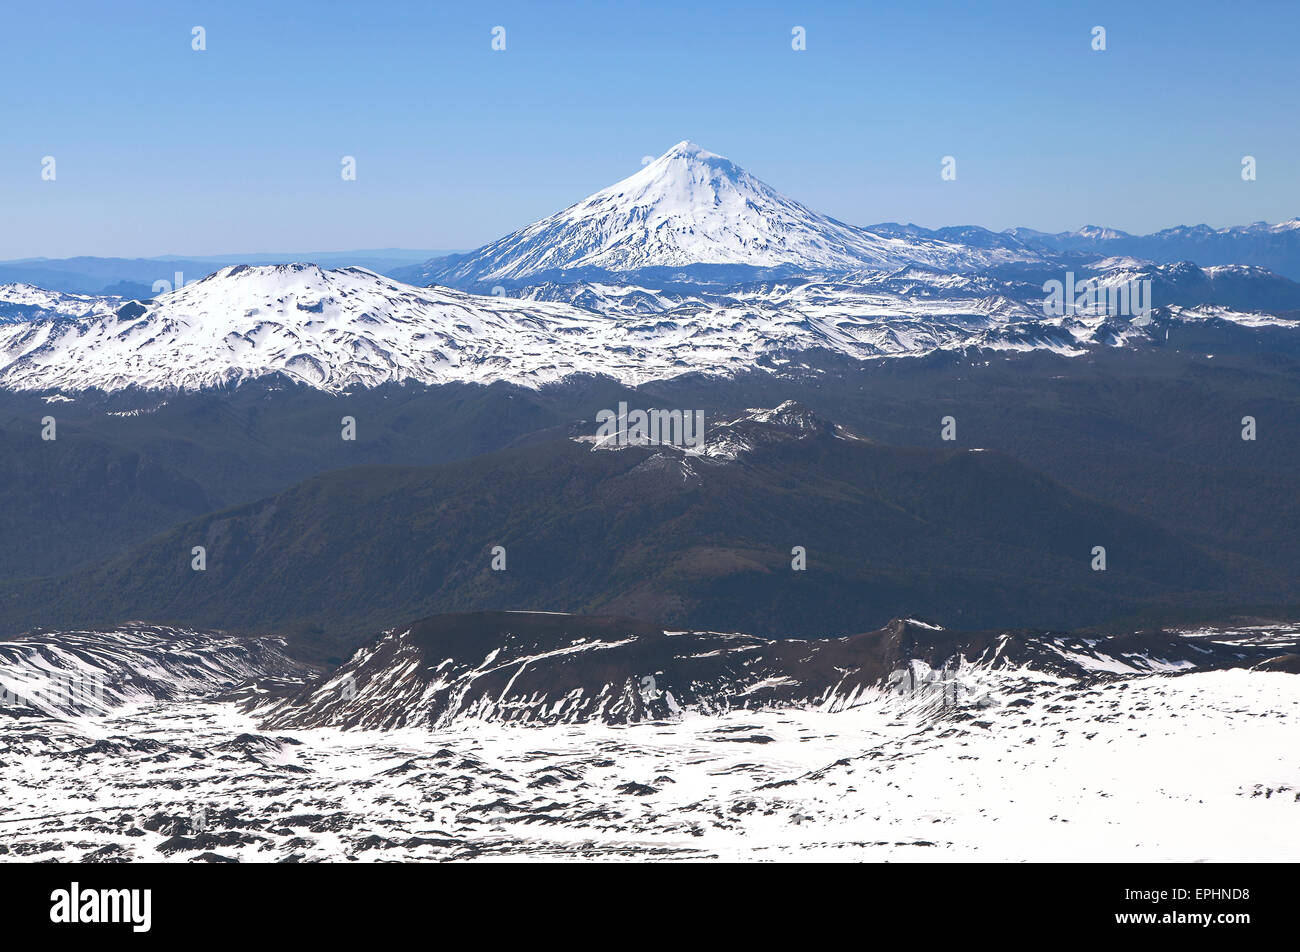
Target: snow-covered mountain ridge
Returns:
[612, 287]
[26, 302]
[328, 329]
[552, 668]
[78, 673]
[335, 329]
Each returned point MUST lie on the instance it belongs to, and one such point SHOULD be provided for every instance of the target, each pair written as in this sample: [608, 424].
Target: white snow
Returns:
[691, 207]
[337, 329]
[1152, 768]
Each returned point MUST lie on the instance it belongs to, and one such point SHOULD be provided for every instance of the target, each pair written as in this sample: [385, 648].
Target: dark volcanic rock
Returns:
[533, 667]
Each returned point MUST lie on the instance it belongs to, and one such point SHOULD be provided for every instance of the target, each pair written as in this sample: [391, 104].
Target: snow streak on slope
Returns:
[75, 673]
[1054, 759]
[730, 439]
[525, 667]
[692, 207]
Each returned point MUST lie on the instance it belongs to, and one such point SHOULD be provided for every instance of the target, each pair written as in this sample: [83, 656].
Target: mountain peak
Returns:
[791, 414]
[687, 148]
[687, 161]
[789, 423]
[689, 207]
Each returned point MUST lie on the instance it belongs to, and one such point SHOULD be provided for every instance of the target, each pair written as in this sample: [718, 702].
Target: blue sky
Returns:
[164, 150]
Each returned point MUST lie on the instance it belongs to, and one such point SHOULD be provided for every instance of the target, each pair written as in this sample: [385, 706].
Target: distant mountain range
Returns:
[209, 415]
[1272, 247]
[1275, 247]
[692, 215]
[691, 265]
[136, 277]
[351, 327]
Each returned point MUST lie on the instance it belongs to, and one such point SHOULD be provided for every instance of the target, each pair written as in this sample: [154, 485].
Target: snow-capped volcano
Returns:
[691, 207]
